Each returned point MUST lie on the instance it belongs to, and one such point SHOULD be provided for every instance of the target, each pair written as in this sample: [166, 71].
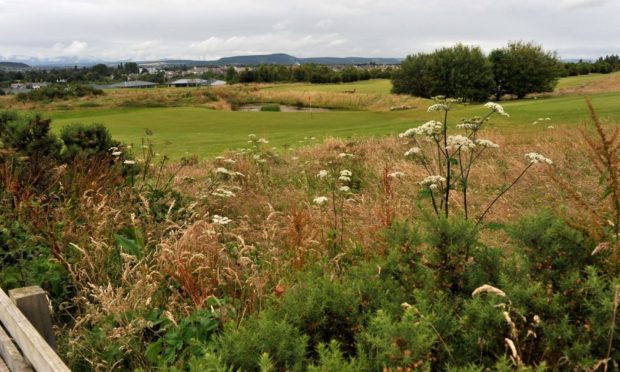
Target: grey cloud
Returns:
[140, 29]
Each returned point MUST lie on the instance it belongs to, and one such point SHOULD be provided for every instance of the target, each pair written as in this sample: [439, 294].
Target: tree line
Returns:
[467, 72]
[99, 73]
[309, 73]
[603, 65]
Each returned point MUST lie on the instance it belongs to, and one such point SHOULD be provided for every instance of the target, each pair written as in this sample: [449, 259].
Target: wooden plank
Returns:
[12, 357]
[3, 367]
[34, 348]
[32, 302]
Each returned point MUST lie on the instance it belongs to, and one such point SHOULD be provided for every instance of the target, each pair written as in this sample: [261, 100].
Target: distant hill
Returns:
[248, 60]
[350, 60]
[13, 65]
[266, 59]
[276, 59]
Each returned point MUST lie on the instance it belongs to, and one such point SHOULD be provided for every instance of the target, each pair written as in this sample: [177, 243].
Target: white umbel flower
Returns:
[459, 142]
[535, 158]
[129, 162]
[408, 133]
[413, 151]
[437, 107]
[396, 174]
[468, 126]
[117, 153]
[433, 182]
[496, 108]
[220, 220]
[223, 193]
[320, 200]
[345, 189]
[486, 143]
[346, 173]
[428, 129]
[322, 174]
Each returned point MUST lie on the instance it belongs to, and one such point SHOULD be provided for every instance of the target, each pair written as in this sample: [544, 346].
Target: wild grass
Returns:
[143, 255]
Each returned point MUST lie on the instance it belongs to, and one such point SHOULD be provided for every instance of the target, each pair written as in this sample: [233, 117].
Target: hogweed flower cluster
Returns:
[496, 108]
[429, 129]
[227, 173]
[345, 176]
[536, 158]
[459, 142]
[396, 174]
[486, 143]
[413, 151]
[433, 182]
[220, 220]
[223, 193]
[438, 107]
[448, 159]
[320, 200]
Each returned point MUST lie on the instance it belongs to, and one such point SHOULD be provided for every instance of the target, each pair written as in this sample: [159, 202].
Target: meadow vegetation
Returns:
[179, 235]
[353, 254]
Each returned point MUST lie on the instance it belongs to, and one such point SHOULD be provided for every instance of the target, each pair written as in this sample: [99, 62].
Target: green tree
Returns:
[460, 71]
[521, 68]
[231, 75]
[131, 68]
[414, 76]
[99, 71]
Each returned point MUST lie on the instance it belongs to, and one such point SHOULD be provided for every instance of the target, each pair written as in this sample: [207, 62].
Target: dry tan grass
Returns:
[119, 98]
[608, 83]
[225, 96]
[277, 230]
[298, 220]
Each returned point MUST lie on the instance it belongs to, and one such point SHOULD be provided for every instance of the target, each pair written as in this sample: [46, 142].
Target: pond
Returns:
[283, 108]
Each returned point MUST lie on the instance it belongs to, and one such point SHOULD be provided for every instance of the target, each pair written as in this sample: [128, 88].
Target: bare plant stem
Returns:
[445, 146]
[434, 204]
[501, 194]
[613, 323]
[464, 183]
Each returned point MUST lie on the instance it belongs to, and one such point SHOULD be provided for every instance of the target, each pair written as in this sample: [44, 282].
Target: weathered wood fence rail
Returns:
[27, 341]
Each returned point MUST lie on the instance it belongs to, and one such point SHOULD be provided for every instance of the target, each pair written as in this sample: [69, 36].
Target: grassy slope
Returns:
[575, 81]
[376, 86]
[206, 132]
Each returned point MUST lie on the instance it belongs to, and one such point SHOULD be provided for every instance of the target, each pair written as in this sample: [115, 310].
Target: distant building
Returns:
[39, 85]
[149, 70]
[128, 84]
[195, 83]
[16, 90]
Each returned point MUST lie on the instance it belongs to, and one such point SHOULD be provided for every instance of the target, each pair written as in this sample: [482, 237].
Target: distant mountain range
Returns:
[13, 66]
[277, 59]
[252, 60]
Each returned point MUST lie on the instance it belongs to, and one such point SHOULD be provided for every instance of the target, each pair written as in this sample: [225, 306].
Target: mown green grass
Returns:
[374, 86]
[204, 132]
[384, 86]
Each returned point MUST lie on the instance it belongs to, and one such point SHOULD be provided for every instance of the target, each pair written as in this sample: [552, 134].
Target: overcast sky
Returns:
[209, 29]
